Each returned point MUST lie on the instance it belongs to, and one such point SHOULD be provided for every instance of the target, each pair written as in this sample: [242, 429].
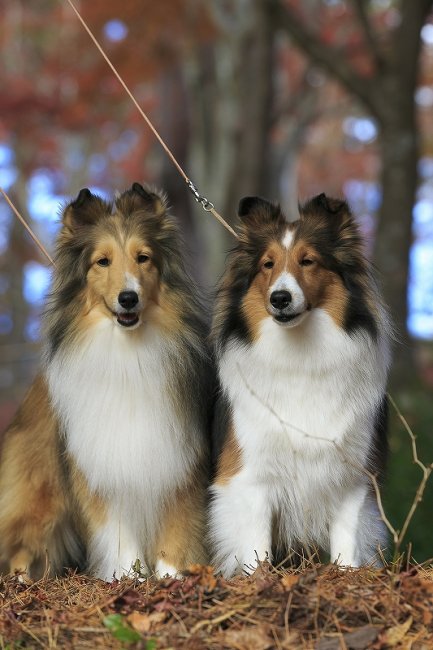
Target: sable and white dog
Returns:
[301, 338]
[106, 461]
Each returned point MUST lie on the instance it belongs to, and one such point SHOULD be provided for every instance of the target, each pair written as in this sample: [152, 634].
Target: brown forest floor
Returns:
[320, 607]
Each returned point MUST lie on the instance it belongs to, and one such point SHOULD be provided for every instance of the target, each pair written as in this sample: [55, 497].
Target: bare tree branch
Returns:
[398, 536]
[426, 470]
[328, 57]
[427, 6]
[370, 37]
[386, 521]
[413, 17]
[297, 100]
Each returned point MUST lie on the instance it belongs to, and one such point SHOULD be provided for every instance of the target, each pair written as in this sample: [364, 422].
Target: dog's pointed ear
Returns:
[84, 210]
[334, 217]
[147, 199]
[334, 214]
[254, 211]
[325, 205]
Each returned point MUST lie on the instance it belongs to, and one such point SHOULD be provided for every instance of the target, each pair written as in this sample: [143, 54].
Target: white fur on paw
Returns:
[164, 570]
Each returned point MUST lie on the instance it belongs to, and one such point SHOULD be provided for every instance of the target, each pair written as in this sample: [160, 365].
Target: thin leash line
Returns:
[131, 96]
[27, 227]
[205, 203]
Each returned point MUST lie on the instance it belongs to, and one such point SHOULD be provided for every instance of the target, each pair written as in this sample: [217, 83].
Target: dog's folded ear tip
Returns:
[83, 210]
[247, 203]
[83, 195]
[255, 210]
[144, 192]
[150, 197]
[137, 187]
[327, 203]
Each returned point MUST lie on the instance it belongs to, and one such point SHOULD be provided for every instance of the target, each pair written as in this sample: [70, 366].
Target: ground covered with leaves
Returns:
[319, 607]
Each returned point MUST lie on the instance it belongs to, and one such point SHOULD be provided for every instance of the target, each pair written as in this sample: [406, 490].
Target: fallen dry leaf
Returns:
[127, 600]
[361, 639]
[289, 580]
[394, 635]
[427, 616]
[206, 576]
[144, 622]
[249, 638]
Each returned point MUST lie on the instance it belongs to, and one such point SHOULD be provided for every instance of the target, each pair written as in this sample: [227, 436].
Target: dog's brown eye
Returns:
[269, 264]
[104, 261]
[306, 262]
[142, 258]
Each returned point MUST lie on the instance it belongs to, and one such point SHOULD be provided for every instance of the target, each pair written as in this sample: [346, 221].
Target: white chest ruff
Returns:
[303, 403]
[302, 399]
[112, 394]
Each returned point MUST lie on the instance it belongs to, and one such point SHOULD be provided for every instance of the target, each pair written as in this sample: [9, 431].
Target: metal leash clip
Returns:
[205, 203]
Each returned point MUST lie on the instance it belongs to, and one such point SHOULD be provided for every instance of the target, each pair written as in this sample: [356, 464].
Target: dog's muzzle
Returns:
[127, 316]
[282, 308]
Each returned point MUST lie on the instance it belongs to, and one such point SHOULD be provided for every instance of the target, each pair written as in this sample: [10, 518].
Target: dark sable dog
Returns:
[106, 461]
[301, 337]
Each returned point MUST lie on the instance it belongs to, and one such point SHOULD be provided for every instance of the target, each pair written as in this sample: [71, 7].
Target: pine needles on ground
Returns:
[318, 607]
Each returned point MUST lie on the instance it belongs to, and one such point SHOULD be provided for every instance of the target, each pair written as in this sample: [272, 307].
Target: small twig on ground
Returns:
[426, 470]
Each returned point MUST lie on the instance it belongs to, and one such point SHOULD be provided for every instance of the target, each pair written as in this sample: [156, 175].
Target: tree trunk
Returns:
[174, 126]
[395, 107]
[394, 233]
[231, 87]
[254, 108]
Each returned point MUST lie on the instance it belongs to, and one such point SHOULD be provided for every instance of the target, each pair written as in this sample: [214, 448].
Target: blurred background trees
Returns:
[275, 97]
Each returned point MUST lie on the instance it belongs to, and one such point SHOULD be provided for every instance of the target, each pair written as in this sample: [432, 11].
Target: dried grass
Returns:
[318, 606]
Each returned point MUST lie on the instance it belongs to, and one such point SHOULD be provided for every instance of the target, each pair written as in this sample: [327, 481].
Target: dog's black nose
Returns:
[128, 299]
[280, 299]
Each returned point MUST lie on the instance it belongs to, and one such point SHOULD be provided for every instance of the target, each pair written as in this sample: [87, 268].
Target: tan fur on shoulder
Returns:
[33, 502]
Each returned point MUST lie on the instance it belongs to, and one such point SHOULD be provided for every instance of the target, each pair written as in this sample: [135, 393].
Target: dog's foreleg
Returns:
[20, 562]
[114, 550]
[181, 540]
[344, 528]
[240, 522]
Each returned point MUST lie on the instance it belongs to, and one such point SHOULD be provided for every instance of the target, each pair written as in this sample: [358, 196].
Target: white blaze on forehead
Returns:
[131, 283]
[287, 282]
[287, 239]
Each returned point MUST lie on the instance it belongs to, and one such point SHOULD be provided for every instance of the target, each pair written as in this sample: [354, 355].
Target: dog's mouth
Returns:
[127, 319]
[292, 318]
[286, 318]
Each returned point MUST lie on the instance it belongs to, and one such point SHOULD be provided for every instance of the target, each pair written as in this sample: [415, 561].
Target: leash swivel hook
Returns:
[204, 202]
